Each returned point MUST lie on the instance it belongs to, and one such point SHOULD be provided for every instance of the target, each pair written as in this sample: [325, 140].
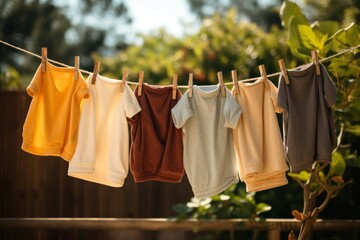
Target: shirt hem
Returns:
[158, 177]
[46, 151]
[300, 168]
[265, 175]
[270, 183]
[217, 189]
[103, 179]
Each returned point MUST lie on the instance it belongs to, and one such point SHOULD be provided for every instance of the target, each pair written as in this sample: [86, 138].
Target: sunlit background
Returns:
[163, 38]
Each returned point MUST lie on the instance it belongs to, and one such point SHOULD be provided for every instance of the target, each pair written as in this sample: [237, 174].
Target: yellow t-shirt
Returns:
[51, 124]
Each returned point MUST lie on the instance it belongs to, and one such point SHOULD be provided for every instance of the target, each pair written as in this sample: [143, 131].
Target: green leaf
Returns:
[291, 10]
[262, 207]
[339, 32]
[337, 165]
[326, 27]
[353, 129]
[302, 176]
[181, 208]
[350, 35]
[308, 37]
[295, 41]
[355, 93]
[353, 161]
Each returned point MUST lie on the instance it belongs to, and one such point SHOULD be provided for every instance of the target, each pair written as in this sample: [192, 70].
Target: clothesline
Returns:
[179, 86]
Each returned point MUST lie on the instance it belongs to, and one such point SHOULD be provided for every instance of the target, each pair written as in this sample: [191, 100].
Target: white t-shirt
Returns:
[209, 158]
[102, 153]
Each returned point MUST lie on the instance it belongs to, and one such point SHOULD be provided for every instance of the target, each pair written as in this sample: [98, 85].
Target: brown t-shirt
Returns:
[157, 146]
[308, 124]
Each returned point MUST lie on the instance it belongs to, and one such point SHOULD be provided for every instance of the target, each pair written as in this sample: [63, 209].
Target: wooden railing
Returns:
[273, 226]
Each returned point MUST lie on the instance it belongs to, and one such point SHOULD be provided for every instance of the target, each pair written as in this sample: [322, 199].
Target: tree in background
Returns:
[224, 43]
[264, 14]
[221, 44]
[345, 11]
[62, 29]
[324, 181]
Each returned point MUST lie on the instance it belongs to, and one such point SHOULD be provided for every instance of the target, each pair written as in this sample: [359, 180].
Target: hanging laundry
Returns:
[308, 124]
[51, 124]
[257, 139]
[209, 158]
[102, 154]
[157, 146]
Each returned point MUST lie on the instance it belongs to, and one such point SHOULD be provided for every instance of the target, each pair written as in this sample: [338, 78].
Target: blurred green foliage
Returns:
[264, 13]
[221, 44]
[234, 202]
[329, 37]
[9, 78]
[32, 24]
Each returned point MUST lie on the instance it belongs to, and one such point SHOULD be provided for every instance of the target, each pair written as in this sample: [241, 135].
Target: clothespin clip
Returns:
[76, 67]
[263, 75]
[221, 82]
[175, 78]
[123, 80]
[316, 61]
[283, 70]
[235, 82]
[95, 72]
[141, 79]
[191, 75]
[43, 59]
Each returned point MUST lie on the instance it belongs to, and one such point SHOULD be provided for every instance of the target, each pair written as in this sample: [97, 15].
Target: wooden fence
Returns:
[38, 198]
[35, 186]
[273, 227]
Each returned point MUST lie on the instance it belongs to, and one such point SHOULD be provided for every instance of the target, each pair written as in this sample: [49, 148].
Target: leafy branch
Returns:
[316, 185]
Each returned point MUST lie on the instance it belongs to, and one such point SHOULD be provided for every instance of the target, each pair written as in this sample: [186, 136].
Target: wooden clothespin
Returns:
[283, 70]
[43, 59]
[191, 76]
[235, 82]
[316, 61]
[76, 67]
[95, 72]
[174, 91]
[221, 82]
[123, 80]
[263, 75]
[141, 79]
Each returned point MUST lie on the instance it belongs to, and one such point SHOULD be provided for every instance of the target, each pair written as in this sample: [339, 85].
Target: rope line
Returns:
[179, 86]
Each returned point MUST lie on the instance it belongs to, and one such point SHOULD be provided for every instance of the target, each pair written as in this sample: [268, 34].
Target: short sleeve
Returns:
[282, 97]
[83, 92]
[182, 111]
[35, 84]
[329, 88]
[131, 104]
[274, 97]
[232, 111]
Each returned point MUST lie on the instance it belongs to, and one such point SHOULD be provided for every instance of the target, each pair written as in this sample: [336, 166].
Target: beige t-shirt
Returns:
[102, 153]
[209, 158]
[257, 140]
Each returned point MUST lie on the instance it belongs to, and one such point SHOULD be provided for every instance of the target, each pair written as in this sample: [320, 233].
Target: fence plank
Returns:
[155, 224]
[38, 186]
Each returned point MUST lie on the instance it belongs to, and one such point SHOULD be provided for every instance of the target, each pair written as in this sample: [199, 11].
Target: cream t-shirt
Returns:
[102, 153]
[209, 158]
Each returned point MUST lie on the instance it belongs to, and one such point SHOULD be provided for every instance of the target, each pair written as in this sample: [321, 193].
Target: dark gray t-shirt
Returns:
[308, 124]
